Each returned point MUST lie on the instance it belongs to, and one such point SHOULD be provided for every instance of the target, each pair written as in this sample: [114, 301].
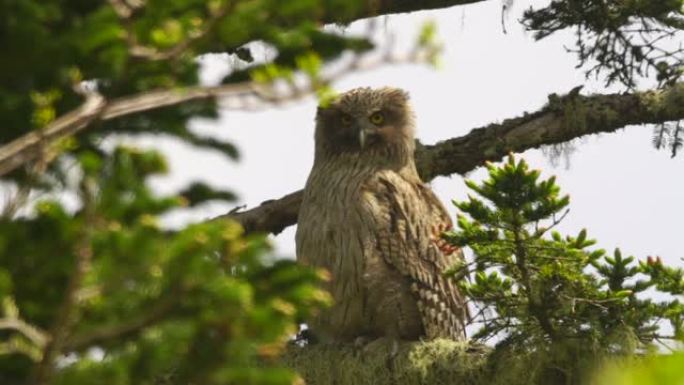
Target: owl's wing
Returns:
[407, 215]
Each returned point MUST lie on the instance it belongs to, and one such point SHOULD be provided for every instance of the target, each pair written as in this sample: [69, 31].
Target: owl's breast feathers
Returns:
[374, 232]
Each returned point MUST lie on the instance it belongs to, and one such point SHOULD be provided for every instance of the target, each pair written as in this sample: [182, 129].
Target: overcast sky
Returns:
[624, 191]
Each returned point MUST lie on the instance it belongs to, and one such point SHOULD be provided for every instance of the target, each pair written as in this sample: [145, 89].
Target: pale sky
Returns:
[622, 190]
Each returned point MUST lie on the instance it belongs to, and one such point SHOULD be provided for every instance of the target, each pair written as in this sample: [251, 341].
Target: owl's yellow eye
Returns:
[346, 120]
[377, 118]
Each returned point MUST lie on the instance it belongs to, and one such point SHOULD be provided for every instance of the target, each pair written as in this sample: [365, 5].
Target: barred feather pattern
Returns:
[372, 229]
[368, 219]
[406, 213]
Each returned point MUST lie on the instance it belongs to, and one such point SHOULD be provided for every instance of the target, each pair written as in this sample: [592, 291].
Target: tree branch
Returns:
[37, 336]
[387, 362]
[561, 120]
[379, 8]
[28, 147]
[153, 314]
[150, 53]
[271, 216]
[67, 314]
[25, 149]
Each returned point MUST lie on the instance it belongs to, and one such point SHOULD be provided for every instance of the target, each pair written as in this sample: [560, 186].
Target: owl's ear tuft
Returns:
[395, 94]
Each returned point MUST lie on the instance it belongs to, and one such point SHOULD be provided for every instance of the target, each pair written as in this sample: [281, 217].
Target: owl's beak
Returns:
[362, 138]
[365, 133]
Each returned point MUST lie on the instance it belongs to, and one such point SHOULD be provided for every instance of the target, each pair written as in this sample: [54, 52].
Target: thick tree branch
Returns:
[385, 362]
[562, 119]
[389, 7]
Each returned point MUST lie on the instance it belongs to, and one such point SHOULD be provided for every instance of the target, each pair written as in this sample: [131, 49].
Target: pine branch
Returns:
[550, 125]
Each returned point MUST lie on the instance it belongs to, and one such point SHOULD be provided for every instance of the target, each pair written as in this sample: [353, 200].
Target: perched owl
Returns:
[370, 221]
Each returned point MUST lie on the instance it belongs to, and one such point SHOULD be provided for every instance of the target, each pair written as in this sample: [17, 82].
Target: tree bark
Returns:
[561, 120]
[390, 7]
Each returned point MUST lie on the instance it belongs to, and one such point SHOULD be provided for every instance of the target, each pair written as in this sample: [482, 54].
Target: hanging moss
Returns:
[663, 102]
[575, 115]
[571, 108]
[674, 99]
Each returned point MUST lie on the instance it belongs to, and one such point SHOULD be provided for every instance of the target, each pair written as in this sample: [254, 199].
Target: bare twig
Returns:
[539, 231]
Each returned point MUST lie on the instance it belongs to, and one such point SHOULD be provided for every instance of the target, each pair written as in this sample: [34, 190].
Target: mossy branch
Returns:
[438, 362]
[382, 362]
[602, 113]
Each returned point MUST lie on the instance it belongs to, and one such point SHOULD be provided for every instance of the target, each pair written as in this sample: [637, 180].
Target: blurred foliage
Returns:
[654, 370]
[543, 294]
[124, 47]
[199, 305]
[103, 292]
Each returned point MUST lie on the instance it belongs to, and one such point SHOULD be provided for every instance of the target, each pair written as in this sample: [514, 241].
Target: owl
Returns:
[368, 219]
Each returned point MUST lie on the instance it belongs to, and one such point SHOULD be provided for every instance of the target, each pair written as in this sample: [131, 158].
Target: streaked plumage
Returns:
[369, 220]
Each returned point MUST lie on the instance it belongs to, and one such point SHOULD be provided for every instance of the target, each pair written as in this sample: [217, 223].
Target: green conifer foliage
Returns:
[542, 293]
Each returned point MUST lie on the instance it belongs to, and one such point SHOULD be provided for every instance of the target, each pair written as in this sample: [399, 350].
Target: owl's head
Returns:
[366, 120]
